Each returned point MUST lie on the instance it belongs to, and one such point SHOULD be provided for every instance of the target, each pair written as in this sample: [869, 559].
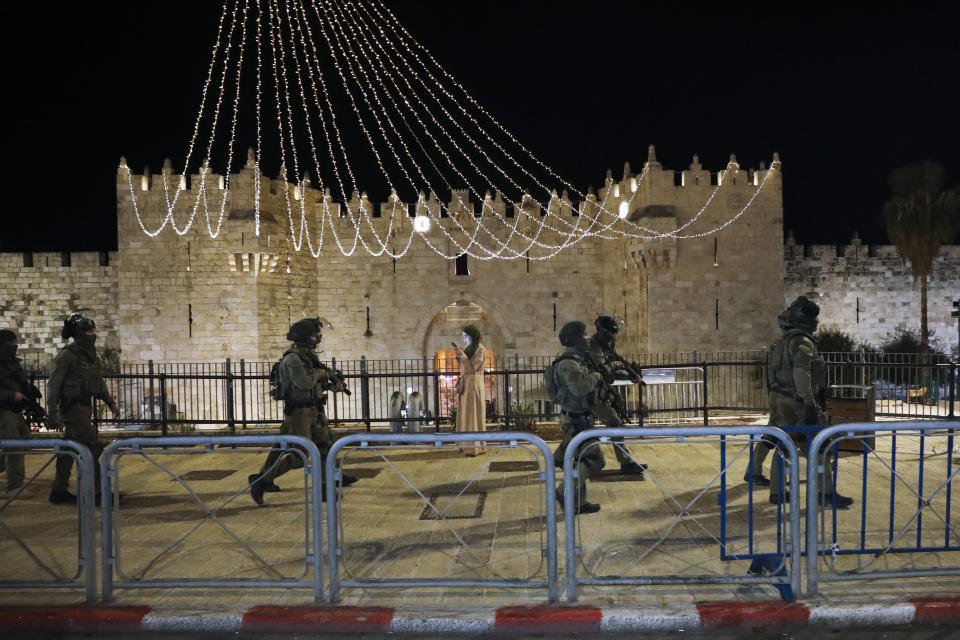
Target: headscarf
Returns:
[474, 334]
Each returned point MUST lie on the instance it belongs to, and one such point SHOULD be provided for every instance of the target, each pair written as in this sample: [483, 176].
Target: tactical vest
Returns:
[84, 379]
[781, 363]
[12, 378]
[288, 391]
[557, 390]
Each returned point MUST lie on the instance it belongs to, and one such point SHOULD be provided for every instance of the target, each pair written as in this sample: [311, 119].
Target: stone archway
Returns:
[443, 327]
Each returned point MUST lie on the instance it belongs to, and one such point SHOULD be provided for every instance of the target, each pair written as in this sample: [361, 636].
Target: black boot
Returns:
[62, 497]
[257, 487]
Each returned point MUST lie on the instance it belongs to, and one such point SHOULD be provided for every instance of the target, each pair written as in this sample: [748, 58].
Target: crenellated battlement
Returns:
[658, 184]
[855, 251]
[46, 260]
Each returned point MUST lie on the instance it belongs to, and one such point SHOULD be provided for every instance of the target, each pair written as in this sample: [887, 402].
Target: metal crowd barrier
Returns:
[864, 435]
[85, 574]
[378, 441]
[110, 531]
[681, 435]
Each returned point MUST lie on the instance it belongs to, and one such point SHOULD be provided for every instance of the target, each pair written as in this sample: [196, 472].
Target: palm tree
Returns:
[919, 218]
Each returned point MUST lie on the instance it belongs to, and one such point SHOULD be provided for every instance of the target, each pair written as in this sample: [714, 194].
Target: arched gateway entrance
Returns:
[445, 328]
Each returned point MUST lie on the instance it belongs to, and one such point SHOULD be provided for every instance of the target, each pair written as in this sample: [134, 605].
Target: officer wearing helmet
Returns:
[603, 354]
[304, 381]
[797, 380]
[76, 378]
[576, 384]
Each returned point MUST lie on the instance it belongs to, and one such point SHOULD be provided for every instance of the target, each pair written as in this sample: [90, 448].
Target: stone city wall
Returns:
[39, 291]
[868, 291]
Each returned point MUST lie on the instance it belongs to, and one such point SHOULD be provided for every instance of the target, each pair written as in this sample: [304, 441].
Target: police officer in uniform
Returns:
[603, 354]
[304, 381]
[798, 376]
[576, 391]
[76, 378]
[14, 388]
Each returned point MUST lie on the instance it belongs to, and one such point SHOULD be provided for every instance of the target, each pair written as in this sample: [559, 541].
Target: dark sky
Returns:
[843, 95]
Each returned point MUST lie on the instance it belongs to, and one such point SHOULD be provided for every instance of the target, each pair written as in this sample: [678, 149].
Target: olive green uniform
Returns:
[76, 378]
[603, 410]
[303, 383]
[576, 390]
[13, 379]
[798, 376]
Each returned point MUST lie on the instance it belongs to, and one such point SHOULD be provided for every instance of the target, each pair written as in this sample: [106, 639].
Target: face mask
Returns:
[87, 338]
[8, 351]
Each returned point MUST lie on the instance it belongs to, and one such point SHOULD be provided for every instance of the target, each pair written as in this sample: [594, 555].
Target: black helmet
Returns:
[607, 324]
[76, 325]
[303, 330]
[572, 333]
[7, 336]
[801, 314]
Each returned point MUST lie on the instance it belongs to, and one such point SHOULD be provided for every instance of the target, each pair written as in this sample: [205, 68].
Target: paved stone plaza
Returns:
[493, 526]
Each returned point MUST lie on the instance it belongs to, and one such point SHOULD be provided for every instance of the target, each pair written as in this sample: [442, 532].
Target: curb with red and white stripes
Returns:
[534, 618]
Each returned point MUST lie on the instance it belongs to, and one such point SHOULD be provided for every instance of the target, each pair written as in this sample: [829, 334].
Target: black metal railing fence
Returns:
[181, 397]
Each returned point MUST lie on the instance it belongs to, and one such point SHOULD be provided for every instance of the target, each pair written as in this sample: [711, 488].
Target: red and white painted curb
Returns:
[534, 618]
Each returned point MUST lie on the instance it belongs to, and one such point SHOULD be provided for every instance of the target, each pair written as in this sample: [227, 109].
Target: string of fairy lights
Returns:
[424, 132]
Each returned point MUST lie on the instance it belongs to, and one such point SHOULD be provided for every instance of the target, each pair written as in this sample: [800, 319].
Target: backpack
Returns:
[552, 381]
[276, 390]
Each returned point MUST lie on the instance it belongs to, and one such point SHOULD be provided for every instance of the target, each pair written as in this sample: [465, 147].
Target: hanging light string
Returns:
[412, 71]
[461, 248]
[649, 233]
[418, 100]
[356, 32]
[541, 225]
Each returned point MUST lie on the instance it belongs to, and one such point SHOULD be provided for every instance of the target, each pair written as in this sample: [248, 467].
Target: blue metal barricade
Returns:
[875, 539]
[788, 582]
[110, 531]
[400, 441]
[86, 575]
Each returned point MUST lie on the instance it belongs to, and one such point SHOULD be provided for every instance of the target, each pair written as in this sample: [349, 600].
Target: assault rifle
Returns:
[607, 391]
[632, 368]
[335, 376]
[33, 411]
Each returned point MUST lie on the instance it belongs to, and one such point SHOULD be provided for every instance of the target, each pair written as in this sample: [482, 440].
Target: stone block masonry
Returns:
[868, 291]
[191, 298]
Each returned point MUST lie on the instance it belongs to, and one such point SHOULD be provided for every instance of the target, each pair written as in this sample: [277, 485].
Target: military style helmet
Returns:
[801, 314]
[607, 324]
[303, 330]
[571, 333]
[76, 325]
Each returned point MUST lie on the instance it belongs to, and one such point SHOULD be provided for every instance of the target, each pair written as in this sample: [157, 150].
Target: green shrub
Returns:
[832, 340]
[521, 417]
[904, 340]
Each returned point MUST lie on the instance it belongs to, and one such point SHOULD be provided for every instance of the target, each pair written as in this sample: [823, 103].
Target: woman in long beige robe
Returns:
[471, 410]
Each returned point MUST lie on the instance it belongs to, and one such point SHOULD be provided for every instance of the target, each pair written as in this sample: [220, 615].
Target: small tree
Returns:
[919, 217]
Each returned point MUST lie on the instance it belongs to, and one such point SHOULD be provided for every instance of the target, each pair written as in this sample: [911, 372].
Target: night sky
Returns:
[844, 95]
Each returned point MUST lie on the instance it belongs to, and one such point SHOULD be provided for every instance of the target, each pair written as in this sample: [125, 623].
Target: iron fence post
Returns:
[506, 394]
[952, 381]
[364, 392]
[706, 404]
[436, 399]
[231, 422]
[163, 403]
[150, 398]
[333, 363]
[243, 394]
